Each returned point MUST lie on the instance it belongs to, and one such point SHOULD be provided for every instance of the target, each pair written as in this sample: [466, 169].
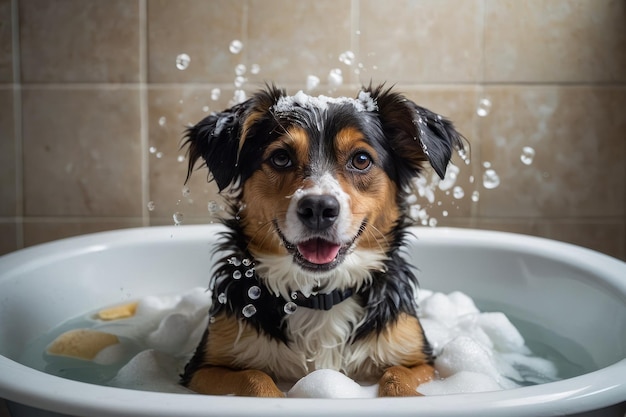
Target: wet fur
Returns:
[374, 335]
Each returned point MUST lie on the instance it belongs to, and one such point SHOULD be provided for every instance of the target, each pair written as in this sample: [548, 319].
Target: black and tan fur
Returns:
[317, 193]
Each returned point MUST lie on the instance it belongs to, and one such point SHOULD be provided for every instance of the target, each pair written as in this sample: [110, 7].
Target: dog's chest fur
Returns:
[317, 340]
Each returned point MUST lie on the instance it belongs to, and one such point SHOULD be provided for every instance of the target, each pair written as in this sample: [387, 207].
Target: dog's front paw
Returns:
[398, 381]
[259, 384]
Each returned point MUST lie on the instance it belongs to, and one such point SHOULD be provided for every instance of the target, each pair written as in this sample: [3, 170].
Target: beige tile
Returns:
[82, 152]
[425, 41]
[201, 29]
[41, 231]
[577, 134]
[8, 187]
[79, 41]
[291, 40]
[171, 110]
[555, 40]
[6, 47]
[8, 237]
[606, 236]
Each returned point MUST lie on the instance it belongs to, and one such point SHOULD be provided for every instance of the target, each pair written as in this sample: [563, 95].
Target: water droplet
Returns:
[249, 273]
[432, 222]
[255, 69]
[294, 295]
[152, 149]
[239, 96]
[240, 69]
[475, 196]
[254, 292]
[213, 207]
[151, 205]
[239, 81]
[215, 94]
[450, 179]
[235, 46]
[234, 261]
[528, 154]
[290, 307]
[181, 158]
[178, 218]
[182, 61]
[186, 191]
[162, 121]
[444, 213]
[312, 82]
[246, 262]
[347, 57]
[248, 311]
[487, 164]
[212, 319]
[221, 298]
[159, 155]
[335, 77]
[205, 109]
[484, 107]
[457, 192]
[490, 179]
[237, 274]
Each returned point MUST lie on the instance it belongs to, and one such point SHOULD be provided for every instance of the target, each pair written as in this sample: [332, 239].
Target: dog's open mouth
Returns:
[318, 251]
[318, 254]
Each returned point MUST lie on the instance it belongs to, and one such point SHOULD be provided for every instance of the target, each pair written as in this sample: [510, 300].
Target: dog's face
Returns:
[319, 183]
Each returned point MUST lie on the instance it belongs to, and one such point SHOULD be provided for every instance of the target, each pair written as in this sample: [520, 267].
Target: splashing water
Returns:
[182, 61]
[491, 179]
[213, 207]
[162, 121]
[312, 82]
[178, 218]
[255, 69]
[240, 69]
[248, 311]
[186, 191]
[458, 193]
[215, 94]
[347, 57]
[235, 46]
[475, 196]
[484, 107]
[335, 77]
[239, 81]
[151, 206]
[528, 155]
[181, 158]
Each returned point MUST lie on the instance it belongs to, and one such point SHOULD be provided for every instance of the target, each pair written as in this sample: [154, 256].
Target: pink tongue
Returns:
[318, 251]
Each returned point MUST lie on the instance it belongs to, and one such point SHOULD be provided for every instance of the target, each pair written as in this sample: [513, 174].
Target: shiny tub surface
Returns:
[578, 293]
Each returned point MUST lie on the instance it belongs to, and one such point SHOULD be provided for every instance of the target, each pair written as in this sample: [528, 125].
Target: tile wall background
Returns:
[92, 104]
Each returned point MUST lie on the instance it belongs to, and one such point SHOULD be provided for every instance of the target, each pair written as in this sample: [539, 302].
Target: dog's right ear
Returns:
[215, 139]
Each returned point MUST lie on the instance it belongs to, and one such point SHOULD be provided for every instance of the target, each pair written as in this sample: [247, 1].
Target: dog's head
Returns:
[320, 182]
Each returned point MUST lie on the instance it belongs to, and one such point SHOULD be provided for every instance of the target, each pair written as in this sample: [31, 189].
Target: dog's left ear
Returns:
[416, 134]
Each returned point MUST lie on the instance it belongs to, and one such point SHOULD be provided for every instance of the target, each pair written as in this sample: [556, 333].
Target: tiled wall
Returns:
[92, 104]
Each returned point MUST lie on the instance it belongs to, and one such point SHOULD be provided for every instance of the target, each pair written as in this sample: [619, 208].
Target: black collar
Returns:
[322, 301]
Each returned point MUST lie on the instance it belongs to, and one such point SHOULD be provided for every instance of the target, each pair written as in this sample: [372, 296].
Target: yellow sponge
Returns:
[81, 343]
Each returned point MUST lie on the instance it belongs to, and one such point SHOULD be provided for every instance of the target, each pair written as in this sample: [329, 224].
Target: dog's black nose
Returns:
[318, 212]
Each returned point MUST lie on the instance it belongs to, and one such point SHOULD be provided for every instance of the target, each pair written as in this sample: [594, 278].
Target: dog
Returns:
[313, 277]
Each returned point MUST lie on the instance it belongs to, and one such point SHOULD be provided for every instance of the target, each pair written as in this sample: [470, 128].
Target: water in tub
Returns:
[145, 344]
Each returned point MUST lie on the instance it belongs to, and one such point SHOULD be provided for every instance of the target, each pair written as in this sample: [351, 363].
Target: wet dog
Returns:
[312, 277]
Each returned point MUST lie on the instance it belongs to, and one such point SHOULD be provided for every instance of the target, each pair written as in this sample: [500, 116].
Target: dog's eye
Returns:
[361, 161]
[281, 159]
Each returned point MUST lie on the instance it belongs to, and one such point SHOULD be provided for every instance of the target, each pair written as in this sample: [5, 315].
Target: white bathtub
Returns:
[577, 293]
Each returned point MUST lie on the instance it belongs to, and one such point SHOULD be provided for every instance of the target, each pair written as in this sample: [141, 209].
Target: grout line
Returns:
[143, 112]
[17, 126]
